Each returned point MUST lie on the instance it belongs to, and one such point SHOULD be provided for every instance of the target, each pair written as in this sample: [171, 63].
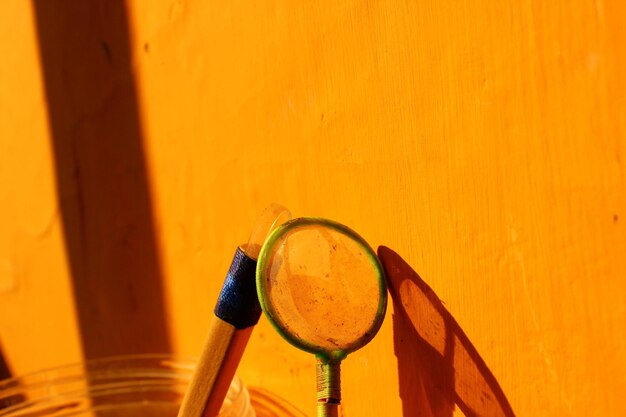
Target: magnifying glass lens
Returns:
[323, 286]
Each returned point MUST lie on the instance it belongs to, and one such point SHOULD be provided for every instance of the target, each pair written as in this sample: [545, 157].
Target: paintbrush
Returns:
[236, 312]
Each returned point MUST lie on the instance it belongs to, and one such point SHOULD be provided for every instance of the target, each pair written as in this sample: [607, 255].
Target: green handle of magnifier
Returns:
[328, 387]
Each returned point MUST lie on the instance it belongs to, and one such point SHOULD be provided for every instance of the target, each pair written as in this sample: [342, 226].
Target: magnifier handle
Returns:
[328, 387]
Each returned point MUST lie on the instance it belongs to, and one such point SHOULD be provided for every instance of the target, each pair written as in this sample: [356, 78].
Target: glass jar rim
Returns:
[80, 384]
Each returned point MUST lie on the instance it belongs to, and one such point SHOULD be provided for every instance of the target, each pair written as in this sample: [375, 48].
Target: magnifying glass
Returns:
[323, 288]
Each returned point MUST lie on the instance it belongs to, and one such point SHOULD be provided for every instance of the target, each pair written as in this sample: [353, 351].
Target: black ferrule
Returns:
[238, 303]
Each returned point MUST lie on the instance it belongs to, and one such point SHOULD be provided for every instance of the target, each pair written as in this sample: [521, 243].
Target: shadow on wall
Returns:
[5, 372]
[101, 177]
[438, 366]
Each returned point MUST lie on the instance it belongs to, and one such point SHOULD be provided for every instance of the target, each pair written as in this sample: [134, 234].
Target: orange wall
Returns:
[483, 141]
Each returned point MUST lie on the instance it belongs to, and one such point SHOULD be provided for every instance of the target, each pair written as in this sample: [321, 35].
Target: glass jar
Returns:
[144, 385]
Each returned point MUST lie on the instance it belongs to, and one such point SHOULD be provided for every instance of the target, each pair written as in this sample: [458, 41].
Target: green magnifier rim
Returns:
[263, 291]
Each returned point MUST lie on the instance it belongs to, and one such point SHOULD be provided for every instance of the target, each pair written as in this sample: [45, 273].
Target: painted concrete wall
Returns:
[482, 141]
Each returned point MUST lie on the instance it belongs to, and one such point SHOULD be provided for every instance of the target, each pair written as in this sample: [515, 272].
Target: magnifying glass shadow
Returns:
[438, 366]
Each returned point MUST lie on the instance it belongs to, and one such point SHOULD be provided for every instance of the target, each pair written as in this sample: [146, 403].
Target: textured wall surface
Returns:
[483, 141]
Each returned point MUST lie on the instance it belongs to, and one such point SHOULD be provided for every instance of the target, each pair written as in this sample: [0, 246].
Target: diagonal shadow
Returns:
[101, 177]
[437, 364]
[5, 372]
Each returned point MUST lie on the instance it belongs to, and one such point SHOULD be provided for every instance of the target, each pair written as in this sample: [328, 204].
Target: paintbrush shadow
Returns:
[438, 366]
